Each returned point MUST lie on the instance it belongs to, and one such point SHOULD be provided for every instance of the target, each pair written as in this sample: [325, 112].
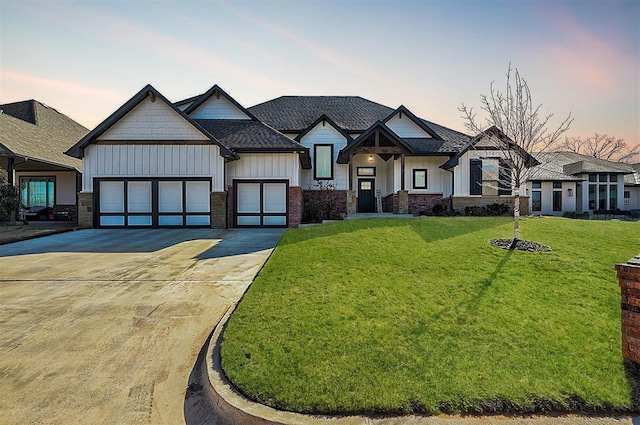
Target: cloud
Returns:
[60, 85]
[324, 54]
[583, 58]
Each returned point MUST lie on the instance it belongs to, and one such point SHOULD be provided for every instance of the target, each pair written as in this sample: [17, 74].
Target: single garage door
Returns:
[261, 203]
[152, 202]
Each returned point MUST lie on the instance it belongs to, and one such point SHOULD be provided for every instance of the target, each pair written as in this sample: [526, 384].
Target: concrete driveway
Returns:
[105, 326]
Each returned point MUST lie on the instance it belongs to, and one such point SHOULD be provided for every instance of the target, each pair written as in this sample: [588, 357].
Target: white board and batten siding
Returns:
[462, 170]
[265, 166]
[325, 135]
[152, 121]
[439, 181]
[162, 160]
[405, 127]
[222, 108]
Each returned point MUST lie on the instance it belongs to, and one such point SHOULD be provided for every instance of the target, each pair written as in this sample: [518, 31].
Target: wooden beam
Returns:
[402, 171]
[370, 150]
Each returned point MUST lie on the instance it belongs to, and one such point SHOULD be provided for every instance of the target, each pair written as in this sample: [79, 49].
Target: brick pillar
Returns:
[403, 202]
[218, 208]
[85, 210]
[295, 206]
[352, 202]
[629, 280]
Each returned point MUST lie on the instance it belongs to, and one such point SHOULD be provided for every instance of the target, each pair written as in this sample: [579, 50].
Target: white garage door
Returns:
[153, 203]
[261, 203]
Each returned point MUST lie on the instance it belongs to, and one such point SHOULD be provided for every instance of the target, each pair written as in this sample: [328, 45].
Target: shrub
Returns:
[9, 200]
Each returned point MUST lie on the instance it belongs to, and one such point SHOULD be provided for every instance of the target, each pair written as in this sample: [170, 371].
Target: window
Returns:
[323, 155]
[37, 191]
[536, 200]
[475, 177]
[557, 200]
[602, 178]
[366, 171]
[592, 196]
[557, 185]
[613, 178]
[627, 194]
[536, 185]
[505, 178]
[593, 178]
[613, 196]
[419, 179]
[602, 196]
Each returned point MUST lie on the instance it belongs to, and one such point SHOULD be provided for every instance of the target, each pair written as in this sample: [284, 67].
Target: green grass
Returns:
[423, 315]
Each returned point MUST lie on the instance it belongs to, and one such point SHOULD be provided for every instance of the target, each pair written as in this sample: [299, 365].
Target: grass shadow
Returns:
[632, 370]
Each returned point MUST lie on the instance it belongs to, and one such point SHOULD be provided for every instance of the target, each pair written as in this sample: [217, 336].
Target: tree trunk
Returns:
[516, 213]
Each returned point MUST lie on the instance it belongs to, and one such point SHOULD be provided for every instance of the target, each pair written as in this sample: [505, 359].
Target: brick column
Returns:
[218, 208]
[629, 280]
[295, 206]
[85, 210]
[403, 202]
[352, 202]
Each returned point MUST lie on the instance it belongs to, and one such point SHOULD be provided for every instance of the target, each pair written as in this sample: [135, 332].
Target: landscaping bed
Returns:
[423, 315]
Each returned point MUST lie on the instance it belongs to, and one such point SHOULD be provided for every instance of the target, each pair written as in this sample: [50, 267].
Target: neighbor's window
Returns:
[536, 185]
[557, 200]
[613, 178]
[420, 179]
[557, 185]
[37, 191]
[323, 155]
[536, 200]
[593, 178]
[627, 194]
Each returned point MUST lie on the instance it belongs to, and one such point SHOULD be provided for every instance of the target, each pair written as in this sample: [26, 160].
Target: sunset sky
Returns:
[86, 58]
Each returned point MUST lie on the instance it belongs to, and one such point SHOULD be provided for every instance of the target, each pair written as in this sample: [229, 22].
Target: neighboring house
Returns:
[33, 139]
[631, 195]
[567, 181]
[209, 161]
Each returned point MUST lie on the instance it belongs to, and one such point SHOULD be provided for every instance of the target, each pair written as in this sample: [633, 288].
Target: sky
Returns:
[86, 58]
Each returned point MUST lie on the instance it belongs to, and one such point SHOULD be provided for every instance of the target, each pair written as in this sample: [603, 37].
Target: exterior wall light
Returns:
[370, 158]
[570, 192]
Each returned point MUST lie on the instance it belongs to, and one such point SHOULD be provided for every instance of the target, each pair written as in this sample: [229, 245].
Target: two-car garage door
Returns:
[152, 202]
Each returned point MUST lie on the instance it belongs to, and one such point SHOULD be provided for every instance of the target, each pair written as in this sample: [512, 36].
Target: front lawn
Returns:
[423, 315]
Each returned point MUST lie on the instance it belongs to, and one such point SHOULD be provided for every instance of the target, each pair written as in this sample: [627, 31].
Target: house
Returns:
[209, 161]
[631, 195]
[568, 181]
[33, 139]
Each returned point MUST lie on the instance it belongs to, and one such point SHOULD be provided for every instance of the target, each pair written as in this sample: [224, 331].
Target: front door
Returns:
[366, 195]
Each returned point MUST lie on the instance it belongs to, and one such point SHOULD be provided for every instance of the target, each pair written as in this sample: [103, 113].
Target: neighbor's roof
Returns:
[633, 179]
[566, 166]
[249, 136]
[33, 130]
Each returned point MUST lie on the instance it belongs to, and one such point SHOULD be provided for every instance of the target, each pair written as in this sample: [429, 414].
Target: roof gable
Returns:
[217, 104]
[24, 110]
[493, 139]
[390, 137]
[323, 120]
[152, 117]
[405, 124]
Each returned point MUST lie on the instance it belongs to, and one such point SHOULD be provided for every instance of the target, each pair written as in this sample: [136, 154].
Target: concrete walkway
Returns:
[105, 326]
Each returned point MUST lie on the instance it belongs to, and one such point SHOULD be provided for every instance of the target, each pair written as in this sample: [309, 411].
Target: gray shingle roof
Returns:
[246, 135]
[432, 146]
[565, 165]
[296, 113]
[633, 179]
[31, 129]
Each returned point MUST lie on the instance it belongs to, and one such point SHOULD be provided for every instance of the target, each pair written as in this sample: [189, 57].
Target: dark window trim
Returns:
[426, 178]
[29, 176]
[536, 185]
[367, 175]
[556, 193]
[155, 214]
[475, 187]
[315, 162]
[539, 192]
[557, 185]
[261, 214]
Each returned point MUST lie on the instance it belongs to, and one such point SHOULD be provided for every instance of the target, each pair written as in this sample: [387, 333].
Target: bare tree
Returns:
[602, 146]
[525, 127]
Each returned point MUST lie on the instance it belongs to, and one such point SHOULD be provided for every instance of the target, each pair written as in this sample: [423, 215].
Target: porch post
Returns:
[402, 171]
[350, 171]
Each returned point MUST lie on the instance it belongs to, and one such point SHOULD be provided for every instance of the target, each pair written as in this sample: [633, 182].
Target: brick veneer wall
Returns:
[629, 280]
[295, 206]
[390, 203]
[421, 204]
[333, 203]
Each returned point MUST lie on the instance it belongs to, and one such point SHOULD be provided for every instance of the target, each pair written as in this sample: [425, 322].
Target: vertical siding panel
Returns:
[191, 160]
[161, 168]
[184, 161]
[138, 160]
[153, 160]
[145, 160]
[197, 160]
[115, 159]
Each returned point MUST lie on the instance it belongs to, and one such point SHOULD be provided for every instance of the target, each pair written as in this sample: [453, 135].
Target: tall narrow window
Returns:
[504, 179]
[613, 196]
[536, 200]
[323, 155]
[475, 177]
[37, 191]
[557, 200]
[592, 196]
[419, 179]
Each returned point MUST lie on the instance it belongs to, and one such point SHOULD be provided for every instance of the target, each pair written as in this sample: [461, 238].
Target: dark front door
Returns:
[366, 195]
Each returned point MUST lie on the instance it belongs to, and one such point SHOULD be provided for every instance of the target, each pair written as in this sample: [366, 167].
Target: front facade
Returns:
[208, 161]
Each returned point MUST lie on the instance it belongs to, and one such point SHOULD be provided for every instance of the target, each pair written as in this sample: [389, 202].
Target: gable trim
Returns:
[380, 126]
[403, 110]
[148, 91]
[213, 90]
[323, 118]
